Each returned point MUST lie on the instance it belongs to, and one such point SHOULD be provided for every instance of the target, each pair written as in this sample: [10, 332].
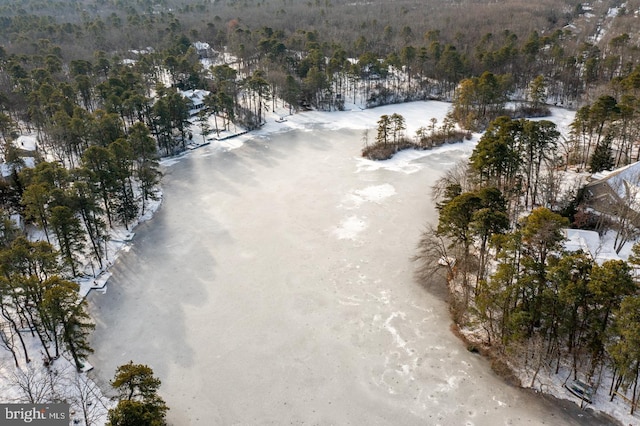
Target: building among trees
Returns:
[617, 193]
[195, 99]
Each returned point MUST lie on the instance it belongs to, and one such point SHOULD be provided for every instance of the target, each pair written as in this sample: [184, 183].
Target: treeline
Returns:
[67, 92]
[73, 208]
[500, 237]
[36, 299]
[604, 133]
[322, 61]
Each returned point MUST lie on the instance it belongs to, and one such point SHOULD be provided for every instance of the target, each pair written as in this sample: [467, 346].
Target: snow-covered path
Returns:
[274, 286]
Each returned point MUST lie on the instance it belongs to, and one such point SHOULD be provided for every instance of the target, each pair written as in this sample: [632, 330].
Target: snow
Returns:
[120, 238]
[27, 142]
[350, 228]
[61, 377]
[60, 381]
[374, 193]
[417, 114]
[149, 49]
[590, 242]
[623, 178]
[613, 11]
[200, 45]
[549, 382]
[562, 119]
[221, 58]
[6, 169]
[196, 96]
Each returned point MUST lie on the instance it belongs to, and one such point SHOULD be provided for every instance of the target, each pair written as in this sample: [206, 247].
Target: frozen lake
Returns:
[275, 286]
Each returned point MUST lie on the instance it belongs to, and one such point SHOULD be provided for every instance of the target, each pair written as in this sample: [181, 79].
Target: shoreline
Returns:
[299, 121]
[499, 365]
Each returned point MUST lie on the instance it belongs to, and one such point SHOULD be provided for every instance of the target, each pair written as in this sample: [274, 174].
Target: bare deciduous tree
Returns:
[36, 385]
[86, 399]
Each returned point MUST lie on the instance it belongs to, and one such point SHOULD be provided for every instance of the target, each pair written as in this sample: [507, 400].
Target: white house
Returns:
[196, 99]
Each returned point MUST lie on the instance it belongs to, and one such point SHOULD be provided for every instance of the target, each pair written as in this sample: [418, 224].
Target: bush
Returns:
[384, 151]
[380, 151]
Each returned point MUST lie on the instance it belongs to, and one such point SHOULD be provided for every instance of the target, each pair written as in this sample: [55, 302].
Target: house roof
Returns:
[196, 96]
[6, 170]
[199, 45]
[625, 181]
[589, 242]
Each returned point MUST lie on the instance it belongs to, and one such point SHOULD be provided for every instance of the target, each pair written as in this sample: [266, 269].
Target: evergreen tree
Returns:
[136, 413]
[497, 156]
[140, 404]
[609, 285]
[602, 157]
[570, 277]
[98, 162]
[541, 236]
[539, 142]
[537, 92]
[456, 223]
[384, 129]
[624, 348]
[35, 200]
[70, 235]
[146, 161]
[61, 304]
[491, 218]
[84, 201]
[124, 200]
[398, 126]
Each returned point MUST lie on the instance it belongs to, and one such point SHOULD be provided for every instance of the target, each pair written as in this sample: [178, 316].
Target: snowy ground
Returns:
[61, 381]
[354, 224]
[416, 114]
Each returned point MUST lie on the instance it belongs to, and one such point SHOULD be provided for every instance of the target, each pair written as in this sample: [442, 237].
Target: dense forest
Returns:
[99, 83]
[516, 289]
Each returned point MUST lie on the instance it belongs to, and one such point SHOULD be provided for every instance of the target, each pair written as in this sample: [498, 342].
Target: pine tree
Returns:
[537, 92]
[398, 125]
[146, 161]
[98, 162]
[602, 157]
[624, 348]
[455, 222]
[68, 229]
[384, 130]
[67, 314]
[35, 199]
[610, 283]
[124, 200]
[84, 201]
[140, 404]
